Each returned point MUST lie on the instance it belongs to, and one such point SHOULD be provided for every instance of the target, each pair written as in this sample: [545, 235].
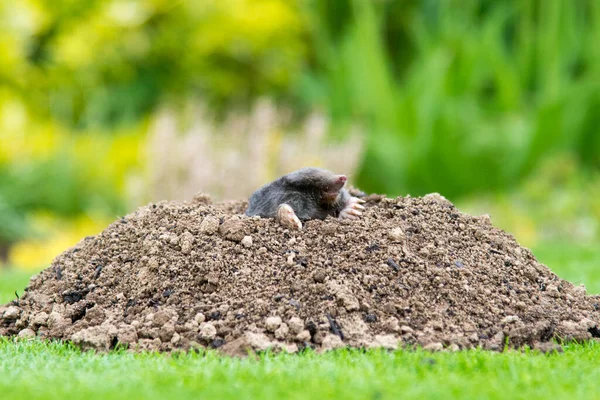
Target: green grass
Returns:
[39, 370]
[12, 280]
[577, 263]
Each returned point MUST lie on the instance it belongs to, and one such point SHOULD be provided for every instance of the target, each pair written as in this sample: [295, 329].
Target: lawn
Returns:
[51, 371]
[37, 370]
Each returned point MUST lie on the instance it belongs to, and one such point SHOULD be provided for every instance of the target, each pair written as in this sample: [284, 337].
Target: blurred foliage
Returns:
[101, 63]
[461, 96]
[69, 175]
[557, 201]
[457, 97]
[53, 236]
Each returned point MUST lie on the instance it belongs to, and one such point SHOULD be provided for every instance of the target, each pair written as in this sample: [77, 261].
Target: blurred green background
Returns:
[107, 105]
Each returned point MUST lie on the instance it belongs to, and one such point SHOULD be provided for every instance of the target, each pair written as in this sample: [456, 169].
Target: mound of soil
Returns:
[412, 271]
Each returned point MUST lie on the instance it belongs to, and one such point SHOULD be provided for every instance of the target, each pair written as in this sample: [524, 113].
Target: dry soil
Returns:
[411, 271]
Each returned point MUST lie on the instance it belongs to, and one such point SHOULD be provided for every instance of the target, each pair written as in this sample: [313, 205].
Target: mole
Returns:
[305, 194]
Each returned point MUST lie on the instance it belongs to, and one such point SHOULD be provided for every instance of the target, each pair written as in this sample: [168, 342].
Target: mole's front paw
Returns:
[353, 209]
[287, 217]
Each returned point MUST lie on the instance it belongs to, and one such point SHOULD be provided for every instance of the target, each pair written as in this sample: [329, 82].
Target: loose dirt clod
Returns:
[411, 271]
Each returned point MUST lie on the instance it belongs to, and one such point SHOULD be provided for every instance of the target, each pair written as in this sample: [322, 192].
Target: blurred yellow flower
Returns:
[255, 24]
[10, 54]
[58, 235]
[78, 47]
[23, 139]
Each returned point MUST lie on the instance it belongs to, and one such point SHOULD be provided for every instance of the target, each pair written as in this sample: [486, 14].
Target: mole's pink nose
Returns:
[342, 178]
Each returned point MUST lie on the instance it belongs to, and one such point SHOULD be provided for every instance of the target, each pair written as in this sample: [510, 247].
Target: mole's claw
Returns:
[353, 209]
[349, 213]
[287, 217]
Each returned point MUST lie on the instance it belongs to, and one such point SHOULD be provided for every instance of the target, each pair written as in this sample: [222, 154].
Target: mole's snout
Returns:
[342, 178]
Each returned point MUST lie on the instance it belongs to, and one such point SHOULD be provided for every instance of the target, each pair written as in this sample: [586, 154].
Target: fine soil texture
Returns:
[410, 272]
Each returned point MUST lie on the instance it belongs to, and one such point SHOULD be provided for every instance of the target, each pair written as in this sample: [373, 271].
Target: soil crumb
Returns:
[410, 272]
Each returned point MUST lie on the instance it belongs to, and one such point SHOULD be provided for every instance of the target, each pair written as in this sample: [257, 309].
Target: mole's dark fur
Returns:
[313, 193]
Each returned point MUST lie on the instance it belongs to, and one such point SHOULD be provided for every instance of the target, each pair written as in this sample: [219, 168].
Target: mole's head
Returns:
[322, 183]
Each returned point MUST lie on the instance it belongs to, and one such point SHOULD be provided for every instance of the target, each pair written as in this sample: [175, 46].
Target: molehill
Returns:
[411, 271]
